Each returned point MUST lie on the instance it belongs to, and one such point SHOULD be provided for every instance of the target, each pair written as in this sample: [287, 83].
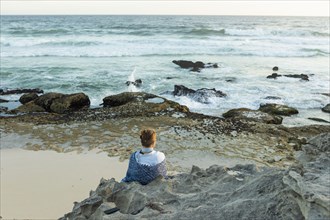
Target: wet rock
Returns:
[200, 95]
[194, 66]
[28, 97]
[277, 109]
[55, 103]
[275, 68]
[299, 76]
[137, 103]
[47, 99]
[20, 91]
[3, 100]
[273, 76]
[326, 108]
[3, 109]
[136, 83]
[319, 120]
[68, 103]
[29, 107]
[253, 115]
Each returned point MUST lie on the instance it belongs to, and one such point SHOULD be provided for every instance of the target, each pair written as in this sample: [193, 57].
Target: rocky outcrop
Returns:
[277, 109]
[137, 103]
[299, 76]
[200, 95]
[28, 97]
[194, 66]
[136, 83]
[326, 108]
[55, 103]
[240, 192]
[253, 115]
[20, 91]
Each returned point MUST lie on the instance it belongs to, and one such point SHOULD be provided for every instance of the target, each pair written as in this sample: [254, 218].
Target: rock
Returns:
[300, 76]
[28, 97]
[277, 109]
[137, 103]
[273, 76]
[200, 95]
[55, 103]
[253, 115]
[136, 83]
[68, 103]
[3, 100]
[47, 99]
[3, 109]
[319, 120]
[326, 108]
[20, 91]
[194, 66]
[273, 97]
[275, 68]
[29, 107]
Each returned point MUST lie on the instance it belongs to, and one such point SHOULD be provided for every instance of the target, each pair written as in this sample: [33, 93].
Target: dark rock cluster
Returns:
[194, 66]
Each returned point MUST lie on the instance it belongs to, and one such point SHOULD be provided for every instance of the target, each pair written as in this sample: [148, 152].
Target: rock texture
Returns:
[240, 192]
[28, 97]
[135, 103]
[326, 108]
[299, 76]
[194, 66]
[200, 95]
[277, 109]
[253, 115]
[55, 103]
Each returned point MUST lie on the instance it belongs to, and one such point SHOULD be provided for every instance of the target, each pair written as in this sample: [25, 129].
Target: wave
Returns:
[230, 52]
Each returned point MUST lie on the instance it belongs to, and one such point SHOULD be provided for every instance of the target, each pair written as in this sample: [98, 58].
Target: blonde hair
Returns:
[148, 137]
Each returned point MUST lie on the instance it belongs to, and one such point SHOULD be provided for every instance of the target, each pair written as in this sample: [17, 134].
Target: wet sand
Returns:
[44, 184]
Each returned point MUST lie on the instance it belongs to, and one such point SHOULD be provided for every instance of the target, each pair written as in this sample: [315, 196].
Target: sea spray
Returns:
[131, 82]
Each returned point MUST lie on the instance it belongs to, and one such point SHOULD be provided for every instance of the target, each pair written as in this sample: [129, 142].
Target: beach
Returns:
[232, 99]
[44, 184]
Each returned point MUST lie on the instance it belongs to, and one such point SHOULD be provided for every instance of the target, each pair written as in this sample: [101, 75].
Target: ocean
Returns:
[98, 54]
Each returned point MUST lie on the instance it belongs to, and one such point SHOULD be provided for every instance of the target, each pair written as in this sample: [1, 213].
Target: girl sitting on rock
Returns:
[146, 164]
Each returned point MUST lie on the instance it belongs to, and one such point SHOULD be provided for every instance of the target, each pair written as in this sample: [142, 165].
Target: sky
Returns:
[168, 7]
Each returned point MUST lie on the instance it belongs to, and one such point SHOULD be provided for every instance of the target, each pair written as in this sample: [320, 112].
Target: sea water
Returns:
[97, 55]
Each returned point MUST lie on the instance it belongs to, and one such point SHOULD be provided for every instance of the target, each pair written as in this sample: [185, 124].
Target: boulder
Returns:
[3, 109]
[55, 103]
[273, 97]
[326, 108]
[140, 103]
[253, 115]
[29, 107]
[194, 66]
[275, 68]
[28, 97]
[3, 100]
[277, 109]
[200, 95]
[68, 103]
[47, 99]
[319, 120]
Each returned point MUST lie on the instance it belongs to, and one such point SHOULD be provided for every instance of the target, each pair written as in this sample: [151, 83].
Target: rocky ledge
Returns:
[240, 192]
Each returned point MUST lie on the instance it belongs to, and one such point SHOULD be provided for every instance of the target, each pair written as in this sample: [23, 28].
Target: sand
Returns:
[44, 184]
